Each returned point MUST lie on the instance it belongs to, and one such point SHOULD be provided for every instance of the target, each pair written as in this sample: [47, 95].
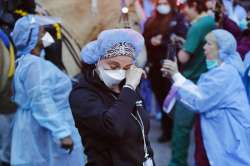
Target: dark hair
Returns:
[200, 5]
[86, 67]
[28, 6]
[218, 10]
[172, 3]
[246, 32]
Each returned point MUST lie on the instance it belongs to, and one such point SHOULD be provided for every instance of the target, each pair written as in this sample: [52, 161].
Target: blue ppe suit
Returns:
[220, 98]
[44, 116]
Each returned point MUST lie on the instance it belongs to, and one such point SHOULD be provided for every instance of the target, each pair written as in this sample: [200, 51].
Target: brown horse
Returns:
[84, 24]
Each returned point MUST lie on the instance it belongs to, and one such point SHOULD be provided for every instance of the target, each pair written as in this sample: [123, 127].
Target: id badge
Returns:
[148, 162]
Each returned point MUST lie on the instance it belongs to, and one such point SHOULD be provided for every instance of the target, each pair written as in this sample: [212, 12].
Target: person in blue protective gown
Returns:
[44, 132]
[220, 98]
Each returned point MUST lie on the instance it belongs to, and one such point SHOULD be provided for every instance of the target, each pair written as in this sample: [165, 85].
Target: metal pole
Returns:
[124, 19]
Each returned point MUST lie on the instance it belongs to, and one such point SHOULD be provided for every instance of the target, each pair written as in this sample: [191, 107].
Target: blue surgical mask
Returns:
[211, 64]
[243, 25]
[42, 54]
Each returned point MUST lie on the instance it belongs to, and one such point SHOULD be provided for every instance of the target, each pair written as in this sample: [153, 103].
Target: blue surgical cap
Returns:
[26, 32]
[25, 35]
[228, 49]
[97, 49]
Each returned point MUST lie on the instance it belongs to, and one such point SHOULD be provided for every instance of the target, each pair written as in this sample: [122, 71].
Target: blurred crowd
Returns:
[187, 65]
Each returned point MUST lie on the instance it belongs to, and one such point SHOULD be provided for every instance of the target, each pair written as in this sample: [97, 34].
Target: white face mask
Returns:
[47, 40]
[111, 77]
[163, 9]
[211, 13]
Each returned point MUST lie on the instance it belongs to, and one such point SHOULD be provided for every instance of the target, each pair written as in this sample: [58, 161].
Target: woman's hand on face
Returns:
[169, 67]
[134, 75]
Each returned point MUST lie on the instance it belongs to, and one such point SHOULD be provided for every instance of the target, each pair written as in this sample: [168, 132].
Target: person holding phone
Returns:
[158, 31]
[192, 59]
[220, 98]
[106, 105]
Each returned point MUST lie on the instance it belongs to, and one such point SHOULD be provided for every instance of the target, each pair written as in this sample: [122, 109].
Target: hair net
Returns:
[26, 32]
[228, 49]
[97, 49]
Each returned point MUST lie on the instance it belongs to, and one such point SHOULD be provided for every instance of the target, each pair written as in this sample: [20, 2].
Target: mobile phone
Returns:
[171, 52]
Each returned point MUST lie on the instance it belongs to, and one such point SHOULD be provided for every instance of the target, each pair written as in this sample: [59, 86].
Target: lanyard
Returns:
[140, 122]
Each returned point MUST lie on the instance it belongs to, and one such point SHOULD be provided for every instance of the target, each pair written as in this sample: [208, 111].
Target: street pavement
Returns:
[162, 151]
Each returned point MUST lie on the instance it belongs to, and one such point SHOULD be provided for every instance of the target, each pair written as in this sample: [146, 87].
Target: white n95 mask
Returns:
[111, 77]
[47, 40]
[163, 9]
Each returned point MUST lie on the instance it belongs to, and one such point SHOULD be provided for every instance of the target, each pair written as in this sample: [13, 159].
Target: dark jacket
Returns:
[165, 25]
[244, 46]
[231, 26]
[111, 136]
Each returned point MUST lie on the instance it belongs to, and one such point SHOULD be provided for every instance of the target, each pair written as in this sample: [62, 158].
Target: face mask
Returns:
[211, 13]
[111, 77]
[211, 64]
[243, 25]
[42, 54]
[47, 40]
[163, 9]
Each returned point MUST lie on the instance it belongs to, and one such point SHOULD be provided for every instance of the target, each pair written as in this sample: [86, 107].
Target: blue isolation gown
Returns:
[43, 116]
[220, 98]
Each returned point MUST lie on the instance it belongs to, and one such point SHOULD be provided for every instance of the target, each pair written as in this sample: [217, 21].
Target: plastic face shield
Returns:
[43, 20]
[26, 31]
